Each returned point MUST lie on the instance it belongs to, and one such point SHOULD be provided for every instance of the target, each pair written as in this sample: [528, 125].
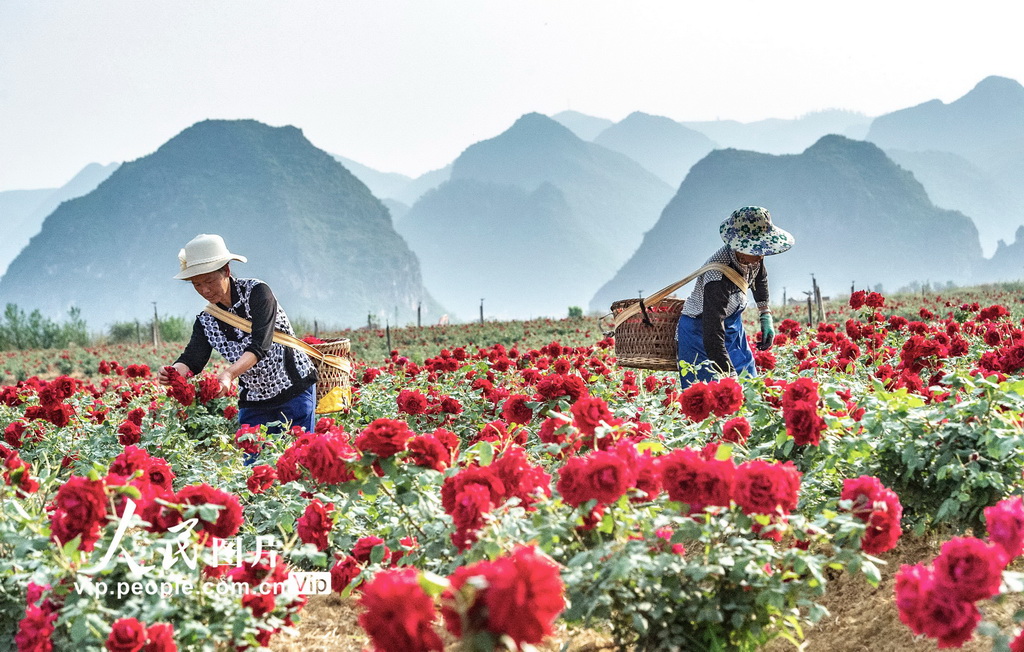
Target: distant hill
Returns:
[421, 184]
[662, 145]
[533, 220]
[781, 136]
[974, 126]
[857, 217]
[612, 197]
[585, 126]
[381, 184]
[16, 207]
[952, 181]
[984, 127]
[22, 211]
[522, 252]
[1007, 264]
[310, 229]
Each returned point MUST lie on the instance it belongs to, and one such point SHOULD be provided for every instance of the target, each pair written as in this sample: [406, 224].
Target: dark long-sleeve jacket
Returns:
[715, 298]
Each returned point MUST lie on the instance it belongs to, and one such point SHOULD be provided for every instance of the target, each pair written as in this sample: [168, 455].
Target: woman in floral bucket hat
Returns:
[710, 332]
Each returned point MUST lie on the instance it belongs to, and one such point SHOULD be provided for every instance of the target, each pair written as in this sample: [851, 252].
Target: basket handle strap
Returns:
[728, 271]
[285, 339]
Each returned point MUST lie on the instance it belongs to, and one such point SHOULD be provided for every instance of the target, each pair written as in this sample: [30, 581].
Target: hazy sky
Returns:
[406, 85]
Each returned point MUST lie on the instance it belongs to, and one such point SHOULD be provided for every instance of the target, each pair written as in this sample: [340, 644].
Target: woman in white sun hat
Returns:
[710, 333]
[276, 383]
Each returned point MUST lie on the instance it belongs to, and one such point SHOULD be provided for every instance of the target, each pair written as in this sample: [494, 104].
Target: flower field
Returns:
[493, 484]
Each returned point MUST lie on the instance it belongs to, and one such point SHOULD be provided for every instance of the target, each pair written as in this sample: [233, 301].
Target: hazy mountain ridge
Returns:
[984, 127]
[537, 206]
[613, 198]
[663, 146]
[22, 211]
[585, 126]
[521, 251]
[856, 216]
[534, 220]
[308, 226]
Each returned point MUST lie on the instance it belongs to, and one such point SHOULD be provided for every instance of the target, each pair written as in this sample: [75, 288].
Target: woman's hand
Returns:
[767, 332]
[164, 375]
[226, 383]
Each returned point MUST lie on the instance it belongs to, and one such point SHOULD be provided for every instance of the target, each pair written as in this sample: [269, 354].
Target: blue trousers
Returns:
[690, 338]
[299, 411]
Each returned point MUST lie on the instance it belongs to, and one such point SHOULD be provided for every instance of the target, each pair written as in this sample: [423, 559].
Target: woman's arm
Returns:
[760, 288]
[196, 354]
[716, 299]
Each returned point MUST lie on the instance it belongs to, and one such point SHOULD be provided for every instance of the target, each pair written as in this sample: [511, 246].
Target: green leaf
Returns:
[433, 584]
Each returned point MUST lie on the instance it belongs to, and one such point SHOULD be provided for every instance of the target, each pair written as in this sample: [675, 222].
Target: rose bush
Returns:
[510, 485]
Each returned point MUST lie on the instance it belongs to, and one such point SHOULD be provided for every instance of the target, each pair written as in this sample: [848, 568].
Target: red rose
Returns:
[646, 470]
[209, 388]
[397, 613]
[411, 401]
[521, 479]
[726, 396]
[589, 412]
[482, 475]
[1005, 522]
[556, 386]
[970, 568]
[857, 299]
[515, 410]
[249, 439]
[262, 478]
[229, 517]
[944, 617]
[803, 423]
[35, 630]
[879, 507]
[345, 569]
[126, 635]
[472, 503]
[13, 433]
[384, 437]
[161, 638]
[81, 509]
[315, 524]
[129, 433]
[363, 549]
[522, 598]
[689, 478]
[606, 477]
[696, 402]
[736, 430]
[260, 604]
[801, 390]
[427, 451]
[765, 488]
[230, 412]
[327, 457]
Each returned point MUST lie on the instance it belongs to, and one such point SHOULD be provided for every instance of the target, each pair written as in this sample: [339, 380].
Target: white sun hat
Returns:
[203, 254]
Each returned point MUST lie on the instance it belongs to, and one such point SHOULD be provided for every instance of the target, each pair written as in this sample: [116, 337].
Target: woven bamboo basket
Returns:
[331, 377]
[650, 343]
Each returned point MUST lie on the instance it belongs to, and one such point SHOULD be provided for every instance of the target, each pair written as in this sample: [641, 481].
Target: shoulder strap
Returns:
[240, 323]
[733, 275]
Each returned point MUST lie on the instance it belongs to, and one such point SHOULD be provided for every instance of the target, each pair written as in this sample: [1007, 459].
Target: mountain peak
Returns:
[537, 127]
[993, 90]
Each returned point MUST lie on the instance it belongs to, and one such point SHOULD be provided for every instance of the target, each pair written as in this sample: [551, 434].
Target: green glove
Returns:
[767, 332]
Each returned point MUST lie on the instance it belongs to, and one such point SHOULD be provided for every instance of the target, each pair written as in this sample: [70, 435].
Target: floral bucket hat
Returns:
[749, 230]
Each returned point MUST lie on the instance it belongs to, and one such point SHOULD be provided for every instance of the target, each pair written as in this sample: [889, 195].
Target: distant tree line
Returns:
[33, 331]
[19, 331]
